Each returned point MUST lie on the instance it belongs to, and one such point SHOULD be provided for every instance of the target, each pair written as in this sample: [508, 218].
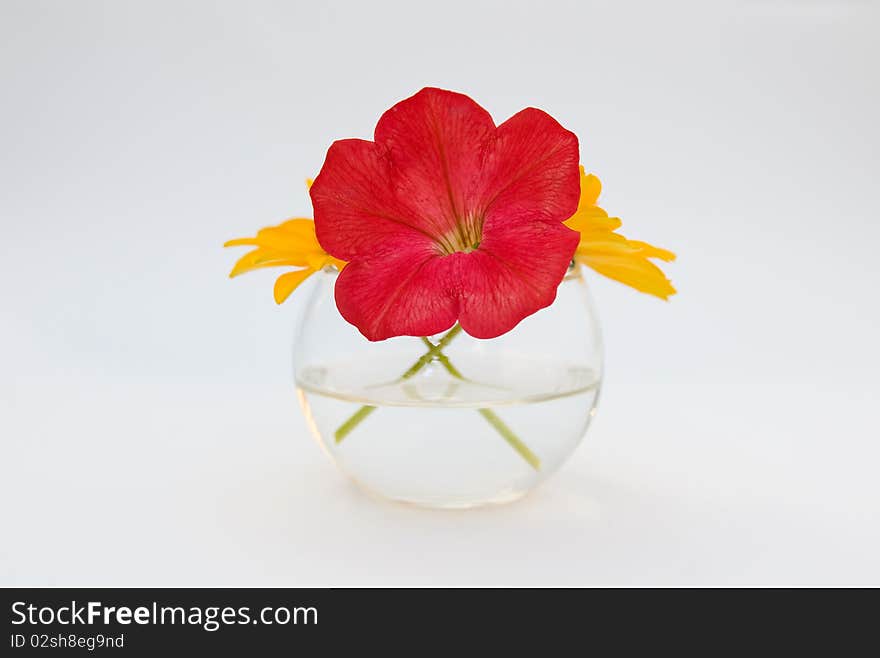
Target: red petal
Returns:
[403, 289]
[513, 274]
[437, 140]
[532, 170]
[422, 173]
[355, 202]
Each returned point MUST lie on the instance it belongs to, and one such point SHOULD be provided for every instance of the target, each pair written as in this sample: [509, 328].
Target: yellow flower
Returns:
[292, 243]
[611, 254]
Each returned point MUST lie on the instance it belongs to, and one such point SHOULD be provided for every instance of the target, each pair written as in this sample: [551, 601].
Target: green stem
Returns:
[511, 438]
[435, 353]
[444, 360]
[358, 416]
[494, 420]
[355, 420]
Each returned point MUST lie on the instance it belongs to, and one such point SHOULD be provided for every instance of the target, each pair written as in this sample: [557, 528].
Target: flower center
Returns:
[464, 238]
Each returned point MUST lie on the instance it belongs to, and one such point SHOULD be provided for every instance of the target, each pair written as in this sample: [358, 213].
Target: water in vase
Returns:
[485, 430]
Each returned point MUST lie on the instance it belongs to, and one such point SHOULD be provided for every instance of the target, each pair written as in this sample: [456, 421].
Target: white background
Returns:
[150, 434]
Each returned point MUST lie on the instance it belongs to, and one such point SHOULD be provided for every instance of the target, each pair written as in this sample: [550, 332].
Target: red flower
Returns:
[446, 217]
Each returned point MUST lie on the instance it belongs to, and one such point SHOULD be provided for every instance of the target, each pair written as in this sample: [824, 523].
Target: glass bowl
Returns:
[450, 421]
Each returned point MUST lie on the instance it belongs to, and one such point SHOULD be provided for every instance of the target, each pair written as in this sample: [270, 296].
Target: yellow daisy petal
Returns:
[241, 242]
[287, 283]
[591, 188]
[598, 220]
[638, 273]
[612, 254]
[292, 243]
[650, 251]
[259, 258]
[294, 234]
[298, 234]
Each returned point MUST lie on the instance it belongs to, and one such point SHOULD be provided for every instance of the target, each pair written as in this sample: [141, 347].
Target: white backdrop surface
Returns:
[148, 423]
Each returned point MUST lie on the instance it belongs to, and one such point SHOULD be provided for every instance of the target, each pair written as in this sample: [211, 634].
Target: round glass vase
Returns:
[450, 420]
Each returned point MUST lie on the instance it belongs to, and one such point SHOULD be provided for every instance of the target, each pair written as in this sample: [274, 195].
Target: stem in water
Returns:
[494, 420]
[358, 416]
[435, 353]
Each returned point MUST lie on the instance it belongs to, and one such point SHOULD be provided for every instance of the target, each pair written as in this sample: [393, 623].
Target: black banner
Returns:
[151, 622]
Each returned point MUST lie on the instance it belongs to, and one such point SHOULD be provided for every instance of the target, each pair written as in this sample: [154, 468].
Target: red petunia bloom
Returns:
[447, 217]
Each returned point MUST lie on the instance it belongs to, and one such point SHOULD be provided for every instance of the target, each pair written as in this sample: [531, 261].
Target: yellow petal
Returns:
[650, 251]
[290, 243]
[338, 264]
[592, 219]
[241, 242]
[294, 234]
[638, 273]
[591, 188]
[606, 243]
[260, 257]
[612, 254]
[293, 243]
[287, 283]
